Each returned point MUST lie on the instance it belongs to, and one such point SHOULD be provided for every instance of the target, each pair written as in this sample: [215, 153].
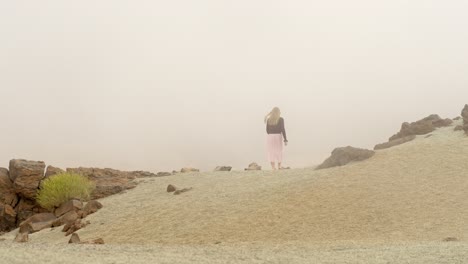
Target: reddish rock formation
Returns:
[108, 181]
[26, 176]
[7, 191]
[343, 156]
[7, 217]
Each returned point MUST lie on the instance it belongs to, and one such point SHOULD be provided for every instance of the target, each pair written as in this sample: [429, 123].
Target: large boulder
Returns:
[26, 176]
[7, 191]
[421, 127]
[108, 181]
[465, 118]
[7, 217]
[395, 142]
[343, 156]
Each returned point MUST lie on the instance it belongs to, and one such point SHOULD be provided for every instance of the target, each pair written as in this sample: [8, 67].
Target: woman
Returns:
[276, 133]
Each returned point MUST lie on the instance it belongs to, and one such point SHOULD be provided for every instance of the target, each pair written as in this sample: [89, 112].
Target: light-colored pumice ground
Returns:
[396, 207]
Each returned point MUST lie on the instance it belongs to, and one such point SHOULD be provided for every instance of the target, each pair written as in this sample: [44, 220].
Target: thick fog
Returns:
[158, 85]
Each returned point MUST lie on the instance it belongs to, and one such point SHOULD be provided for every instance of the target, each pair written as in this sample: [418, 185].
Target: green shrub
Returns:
[63, 187]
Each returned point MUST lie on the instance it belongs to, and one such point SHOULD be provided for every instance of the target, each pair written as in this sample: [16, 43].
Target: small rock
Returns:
[72, 205]
[253, 166]
[22, 237]
[171, 188]
[75, 239]
[223, 168]
[451, 239]
[98, 241]
[91, 207]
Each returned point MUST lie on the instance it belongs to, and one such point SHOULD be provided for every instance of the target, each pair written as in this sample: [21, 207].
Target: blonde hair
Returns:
[273, 117]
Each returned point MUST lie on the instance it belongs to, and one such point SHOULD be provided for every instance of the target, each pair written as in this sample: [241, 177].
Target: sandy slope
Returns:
[401, 203]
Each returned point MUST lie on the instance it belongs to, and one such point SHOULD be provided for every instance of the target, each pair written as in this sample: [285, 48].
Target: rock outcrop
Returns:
[26, 176]
[421, 127]
[465, 118]
[395, 142]
[108, 181]
[253, 166]
[343, 156]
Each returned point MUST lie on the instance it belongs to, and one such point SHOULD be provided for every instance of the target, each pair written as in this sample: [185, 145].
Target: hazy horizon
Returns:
[161, 85]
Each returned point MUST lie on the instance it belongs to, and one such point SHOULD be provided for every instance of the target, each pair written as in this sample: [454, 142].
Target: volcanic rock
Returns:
[395, 142]
[223, 168]
[343, 156]
[253, 166]
[171, 188]
[26, 176]
[7, 191]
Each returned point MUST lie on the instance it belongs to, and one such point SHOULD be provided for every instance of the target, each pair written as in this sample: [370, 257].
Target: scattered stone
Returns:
[22, 237]
[72, 228]
[178, 192]
[223, 168]
[253, 166]
[451, 239]
[92, 207]
[343, 156]
[74, 239]
[51, 170]
[187, 170]
[171, 188]
[26, 176]
[72, 205]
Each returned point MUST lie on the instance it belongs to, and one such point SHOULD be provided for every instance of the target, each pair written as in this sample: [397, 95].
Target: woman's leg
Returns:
[273, 166]
[279, 166]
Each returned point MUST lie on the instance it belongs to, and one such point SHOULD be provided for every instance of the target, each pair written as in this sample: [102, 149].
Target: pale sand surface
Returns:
[396, 207]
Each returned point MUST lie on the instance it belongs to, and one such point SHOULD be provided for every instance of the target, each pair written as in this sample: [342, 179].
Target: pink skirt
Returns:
[275, 147]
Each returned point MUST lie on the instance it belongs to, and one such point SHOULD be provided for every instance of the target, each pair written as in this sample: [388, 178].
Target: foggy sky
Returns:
[158, 85]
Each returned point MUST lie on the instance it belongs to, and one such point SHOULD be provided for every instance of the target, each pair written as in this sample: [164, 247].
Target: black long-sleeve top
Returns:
[277, 129]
